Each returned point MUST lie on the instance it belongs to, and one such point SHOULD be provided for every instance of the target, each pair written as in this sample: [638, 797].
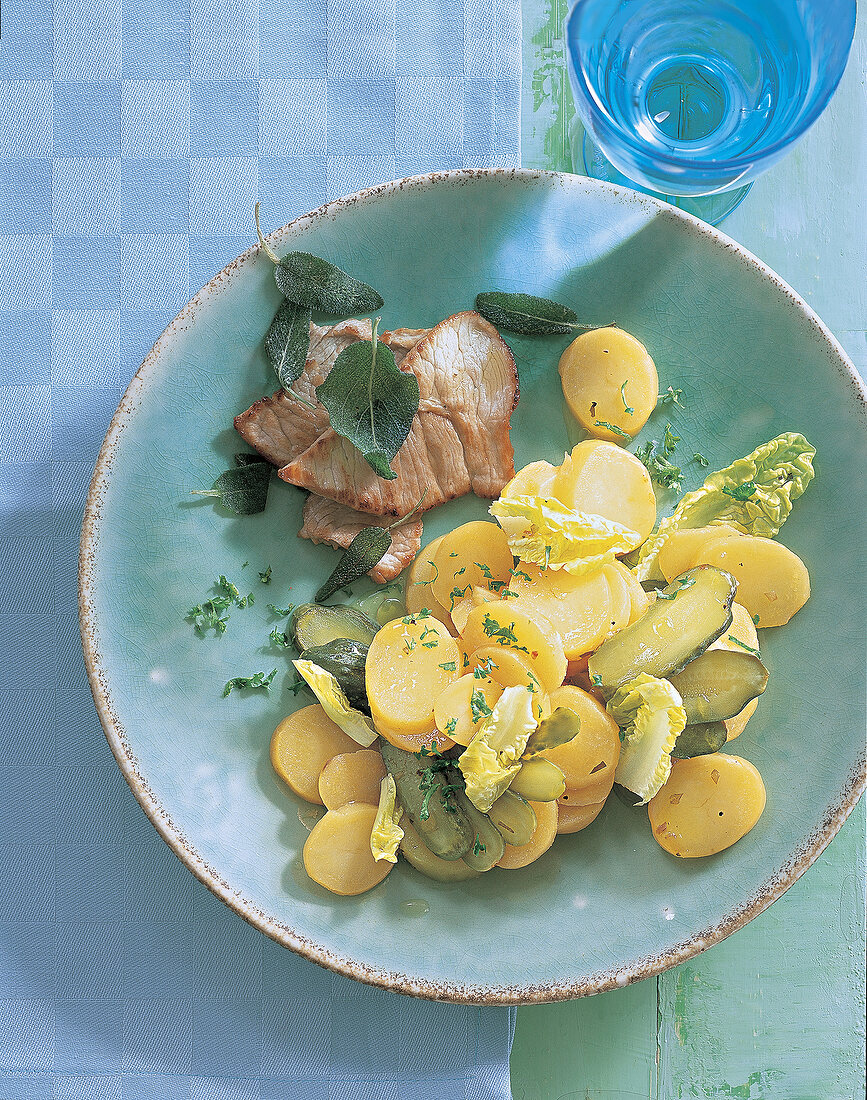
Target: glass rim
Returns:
[580, 84]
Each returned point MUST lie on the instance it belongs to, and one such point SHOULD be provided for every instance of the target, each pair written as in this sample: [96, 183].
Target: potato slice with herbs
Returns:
[773, 582]
[462, 706]
[505, 626]
[509, 669]
[707, 804]
[418, 584]
[351, 777]
[607, 481]
[302, 745]
[609, 382]
[578, 607]
[409, 662]
[475, 553]
[462, 608]
[539, 843]
[337, 852]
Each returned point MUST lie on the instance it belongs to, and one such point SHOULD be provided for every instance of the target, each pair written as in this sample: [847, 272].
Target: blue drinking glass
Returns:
[690, 100]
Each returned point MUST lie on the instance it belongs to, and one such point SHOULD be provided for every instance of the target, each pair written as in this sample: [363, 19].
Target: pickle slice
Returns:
[445, 831]
[514, 817]
[417, 854]
[688, 615]
[315, 625]
[488, 845]
[719, 684]
[699, 740]
[539, 780]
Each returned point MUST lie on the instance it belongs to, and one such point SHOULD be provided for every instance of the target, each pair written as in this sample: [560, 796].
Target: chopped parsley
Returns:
[520, 573]
[740, 492]
[658, 465]
[744, 645]
[626, 408]
[431, 645]
[685, 582]
[701, 460]
[457, 594]
[280, 639]
[595, 679]
[479, 707]
[257, 680]
[281, 610]
[612, 428]
[486, 570]
[478, 847]
[448, 666]
[483, 670]
[430, 782]
[265, 577]
[672, 397]
[669, 441]
[211, 614]
[451, 726]
[433, 578]
[502, 635]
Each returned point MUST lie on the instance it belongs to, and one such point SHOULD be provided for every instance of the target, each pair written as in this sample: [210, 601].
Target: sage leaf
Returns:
[527, 314]
[243, 489]
[370, 402]
[287, 342]
[365, 551]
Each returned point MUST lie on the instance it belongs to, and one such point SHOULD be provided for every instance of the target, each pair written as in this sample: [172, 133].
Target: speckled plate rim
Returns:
[181, 845]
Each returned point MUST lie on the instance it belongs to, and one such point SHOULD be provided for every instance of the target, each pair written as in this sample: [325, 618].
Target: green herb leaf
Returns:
[280, 639]
[449, 666]
[478, 707]
[502, 635]
[669, 441]
[287, 342]
[281, 611]
[265, 577]
[701, 460]
[257, 680]
[452, 723]
[370, 402]
[612, 428]
[661, 470]
[685, 582]
[527, 314]
[364, 552]
[743, 645]
[740, 492]
[483, 670]
[629, 411]
[210, 614]
[243, 489]
[313, 282]
[671, 397]
[478, 847]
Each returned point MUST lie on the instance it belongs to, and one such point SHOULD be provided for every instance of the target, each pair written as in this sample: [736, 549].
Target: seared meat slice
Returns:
[327, 521]
[281, 428]
[459, 441]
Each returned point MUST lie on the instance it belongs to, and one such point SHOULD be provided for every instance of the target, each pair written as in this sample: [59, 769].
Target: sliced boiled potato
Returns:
[474, 598]
[352, 777]
[418, 584]
[620, 608]
[681, 549]
[475, 553]
[302, 745]
[408, 664]
[608, 377]
[773, 582]
[506, 626]
[572, 818]
[707, 804]
[454, 711]
[413, 742]
[639, 599]
[609, 482]
[541, 840]
[510, 669]
[337, 852]
[742, 630]
[588, 760]
[736, 726]
[533, 480]
[578, 607]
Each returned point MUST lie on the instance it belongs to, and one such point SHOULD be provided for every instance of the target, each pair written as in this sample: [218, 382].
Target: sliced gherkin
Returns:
[514, 817]
[719, 684]
[488, 845]
[539, 780]
[345, 660]
[558, 728]
[315, 625]
[700, 739]
[417, 853]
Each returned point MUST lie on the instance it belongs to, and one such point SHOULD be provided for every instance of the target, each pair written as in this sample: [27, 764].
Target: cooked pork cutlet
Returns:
[335, 524]
[459, 440]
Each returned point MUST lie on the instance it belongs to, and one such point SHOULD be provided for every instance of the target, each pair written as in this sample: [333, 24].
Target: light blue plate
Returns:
[606, 906]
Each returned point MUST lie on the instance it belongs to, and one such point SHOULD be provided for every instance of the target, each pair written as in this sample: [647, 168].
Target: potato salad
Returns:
[571, 645]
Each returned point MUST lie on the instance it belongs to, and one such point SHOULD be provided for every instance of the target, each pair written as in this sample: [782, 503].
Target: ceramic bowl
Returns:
[603, 907]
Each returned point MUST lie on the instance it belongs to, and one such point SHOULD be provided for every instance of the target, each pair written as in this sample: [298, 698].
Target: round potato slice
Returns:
[454, 707]
[578, 607]
[609, 378]
[533, 480]
[572, 818]
[588, 760]
[707, 804]
[506, 626]
[510, 669]
[541, 840]
[462, 608]
[742, 630]
[773, 582]
[418, 581]
[681, 549]
[620, 608]
[408, 664]
[473, 554]
[302, 745]
[351, 777]
[337, 852]
[608, 481]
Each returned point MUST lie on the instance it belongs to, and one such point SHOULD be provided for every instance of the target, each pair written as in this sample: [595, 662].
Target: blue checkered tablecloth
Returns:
[134, 139]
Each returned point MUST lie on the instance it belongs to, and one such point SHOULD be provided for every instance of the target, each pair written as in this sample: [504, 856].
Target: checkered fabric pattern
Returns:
[135, 136]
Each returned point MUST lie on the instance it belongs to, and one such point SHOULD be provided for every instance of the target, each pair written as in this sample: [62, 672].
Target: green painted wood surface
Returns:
[777, 1011]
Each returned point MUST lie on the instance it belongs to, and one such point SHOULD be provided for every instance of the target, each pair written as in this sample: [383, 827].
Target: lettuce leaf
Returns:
[780, 471]
[555, 537]
[387, 833]
[493, 757]
[335, 704]
[651, 715]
